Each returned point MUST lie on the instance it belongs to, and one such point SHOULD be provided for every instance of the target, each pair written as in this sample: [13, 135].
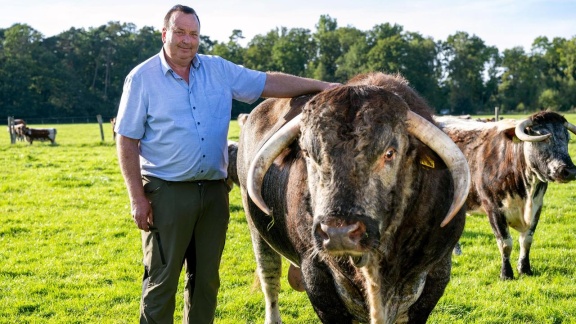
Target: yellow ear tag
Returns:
[427, 162]
[516, 139]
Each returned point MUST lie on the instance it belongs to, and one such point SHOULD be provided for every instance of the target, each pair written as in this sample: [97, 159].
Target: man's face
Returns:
[182, 37]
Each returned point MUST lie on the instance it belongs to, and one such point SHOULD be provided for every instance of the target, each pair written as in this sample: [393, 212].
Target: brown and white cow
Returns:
[40, 134]
[16, 128]
[19, 131]
[511, 164]
[361, 192]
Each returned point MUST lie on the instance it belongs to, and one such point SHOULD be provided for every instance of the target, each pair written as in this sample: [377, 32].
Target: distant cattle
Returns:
[16, 128]
[19, 122]
[40, 134]
[511, 163]
[19, 131]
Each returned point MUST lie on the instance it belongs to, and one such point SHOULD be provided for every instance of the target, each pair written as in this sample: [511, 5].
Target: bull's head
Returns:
[356, 142]
[547, 146]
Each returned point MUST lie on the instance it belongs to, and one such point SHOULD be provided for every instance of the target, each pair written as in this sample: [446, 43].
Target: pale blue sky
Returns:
[500, 23]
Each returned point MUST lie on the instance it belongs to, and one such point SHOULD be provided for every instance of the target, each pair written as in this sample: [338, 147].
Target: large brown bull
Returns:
[511, 164]
[361, 192]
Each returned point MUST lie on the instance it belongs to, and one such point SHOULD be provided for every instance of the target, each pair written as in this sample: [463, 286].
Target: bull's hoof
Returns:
[506, 272]
[524, 267]
[295, 278]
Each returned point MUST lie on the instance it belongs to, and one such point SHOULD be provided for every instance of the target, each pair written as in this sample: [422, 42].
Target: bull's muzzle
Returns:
[566, 174]
[340, 236]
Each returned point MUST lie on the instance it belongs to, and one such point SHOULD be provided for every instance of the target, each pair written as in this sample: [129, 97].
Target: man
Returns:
[172, 127]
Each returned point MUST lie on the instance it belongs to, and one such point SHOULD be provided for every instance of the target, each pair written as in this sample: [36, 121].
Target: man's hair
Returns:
[181, 8]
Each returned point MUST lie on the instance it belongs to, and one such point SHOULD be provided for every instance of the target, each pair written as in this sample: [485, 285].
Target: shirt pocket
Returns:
[219, 103]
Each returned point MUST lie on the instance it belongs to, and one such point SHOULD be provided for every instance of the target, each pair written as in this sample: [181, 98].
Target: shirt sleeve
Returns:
[246, 84]
[131, 118]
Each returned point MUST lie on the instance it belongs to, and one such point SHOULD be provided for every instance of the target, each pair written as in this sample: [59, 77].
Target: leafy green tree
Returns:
[386, 48]
[465, 60]
[293, 50]
[21, 76]
[323, 66]
[259, 51]
[410, 54]
[206, 45]
[565, 78]
[520, 83]
[550, 99]
[81, 72]
[354, 49]
[232, 50]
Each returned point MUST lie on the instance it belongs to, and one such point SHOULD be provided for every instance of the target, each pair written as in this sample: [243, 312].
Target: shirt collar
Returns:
[166, 68]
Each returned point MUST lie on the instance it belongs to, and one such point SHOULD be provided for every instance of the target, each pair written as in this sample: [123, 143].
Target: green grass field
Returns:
[70, 253]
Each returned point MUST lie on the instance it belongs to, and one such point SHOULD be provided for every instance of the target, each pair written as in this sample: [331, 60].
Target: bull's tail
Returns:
[232, 171]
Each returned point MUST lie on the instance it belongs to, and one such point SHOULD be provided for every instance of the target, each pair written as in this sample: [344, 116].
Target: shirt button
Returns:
[203, 156]
[193, 107]
[198, 123]
[202, 138]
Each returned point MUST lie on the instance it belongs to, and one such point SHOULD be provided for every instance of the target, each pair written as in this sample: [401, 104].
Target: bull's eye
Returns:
[389, 155]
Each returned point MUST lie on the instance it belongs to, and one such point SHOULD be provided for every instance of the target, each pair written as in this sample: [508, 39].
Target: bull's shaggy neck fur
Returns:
[399, 85]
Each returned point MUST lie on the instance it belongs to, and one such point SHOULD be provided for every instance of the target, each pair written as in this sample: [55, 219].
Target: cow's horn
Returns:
[570, 127]
[521, 134]
[264, 158]
[455, 160]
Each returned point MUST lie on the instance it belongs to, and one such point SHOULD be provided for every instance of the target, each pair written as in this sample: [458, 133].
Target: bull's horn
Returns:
[455, 160]
[264, 158]
[521, 134]
[570, 127]
[425, 131]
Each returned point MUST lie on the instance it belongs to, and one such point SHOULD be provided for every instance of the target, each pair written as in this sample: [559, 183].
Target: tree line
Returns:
[81, 72]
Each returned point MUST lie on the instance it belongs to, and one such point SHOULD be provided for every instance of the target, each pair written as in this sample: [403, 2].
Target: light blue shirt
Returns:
[183, 128]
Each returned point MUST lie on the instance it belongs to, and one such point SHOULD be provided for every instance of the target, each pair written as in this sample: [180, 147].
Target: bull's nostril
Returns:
[357, 232]
[322, 232]
[567, 174]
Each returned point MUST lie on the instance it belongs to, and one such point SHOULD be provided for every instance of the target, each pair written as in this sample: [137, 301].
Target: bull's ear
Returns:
[511, 134]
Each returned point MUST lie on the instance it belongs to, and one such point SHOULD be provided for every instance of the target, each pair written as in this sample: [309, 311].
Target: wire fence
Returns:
[65, 120]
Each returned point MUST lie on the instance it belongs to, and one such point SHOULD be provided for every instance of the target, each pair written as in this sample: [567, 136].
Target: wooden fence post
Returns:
[11, 130]
[99, 118]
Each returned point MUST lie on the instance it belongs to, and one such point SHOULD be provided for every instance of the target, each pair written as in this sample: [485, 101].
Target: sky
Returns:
[501, 23]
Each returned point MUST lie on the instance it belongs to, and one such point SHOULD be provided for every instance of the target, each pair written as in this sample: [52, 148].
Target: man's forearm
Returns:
[129, 160]
[281, 85]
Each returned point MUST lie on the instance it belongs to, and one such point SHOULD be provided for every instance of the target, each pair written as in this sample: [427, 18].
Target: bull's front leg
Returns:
[525, 241]
[269, 269]
[435, 284]
[532, 214]
[504, 240]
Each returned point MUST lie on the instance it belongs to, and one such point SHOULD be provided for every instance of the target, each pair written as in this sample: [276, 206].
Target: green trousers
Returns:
[189, 230]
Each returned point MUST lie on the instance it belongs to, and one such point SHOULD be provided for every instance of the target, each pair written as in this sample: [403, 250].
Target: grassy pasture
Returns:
[69, 252]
